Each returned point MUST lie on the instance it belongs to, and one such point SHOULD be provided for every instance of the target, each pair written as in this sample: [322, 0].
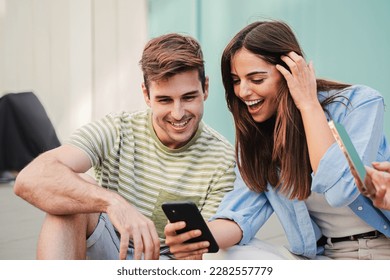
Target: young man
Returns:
[140, 160]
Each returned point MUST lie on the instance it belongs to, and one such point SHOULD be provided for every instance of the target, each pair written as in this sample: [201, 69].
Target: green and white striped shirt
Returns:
[129, 158]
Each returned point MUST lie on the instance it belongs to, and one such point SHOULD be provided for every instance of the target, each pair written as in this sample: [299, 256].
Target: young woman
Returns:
[287, 158]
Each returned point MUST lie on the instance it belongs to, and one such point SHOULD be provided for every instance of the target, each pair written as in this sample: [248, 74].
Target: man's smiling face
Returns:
[177, 105]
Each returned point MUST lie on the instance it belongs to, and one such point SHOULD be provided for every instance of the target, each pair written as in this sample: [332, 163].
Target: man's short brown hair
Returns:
[171, 54]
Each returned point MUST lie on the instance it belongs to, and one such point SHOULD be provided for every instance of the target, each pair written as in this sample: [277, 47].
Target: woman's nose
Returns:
[244, 90]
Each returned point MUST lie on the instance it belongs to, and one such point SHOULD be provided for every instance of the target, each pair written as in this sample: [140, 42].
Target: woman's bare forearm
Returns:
[226, 232]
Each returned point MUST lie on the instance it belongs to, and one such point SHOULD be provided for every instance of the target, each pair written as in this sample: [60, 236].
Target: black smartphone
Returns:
[188, 212]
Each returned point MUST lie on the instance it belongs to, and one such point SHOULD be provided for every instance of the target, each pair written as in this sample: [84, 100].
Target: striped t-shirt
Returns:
[128, 158]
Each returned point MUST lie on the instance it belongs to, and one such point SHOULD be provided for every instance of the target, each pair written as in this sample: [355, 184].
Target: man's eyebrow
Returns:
[162, 96]
[191, 92]
[185, 94]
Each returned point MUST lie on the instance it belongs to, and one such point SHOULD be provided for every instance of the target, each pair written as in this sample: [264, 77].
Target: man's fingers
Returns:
[368, 189]
[183, 237]
[151, 242]
[171, 228]
[380, 177]
[124, 244]
[156, 242]
[138, 245]
[382, 166]
[189, 249]
[148, 246]
[194, 255]
[145, 242]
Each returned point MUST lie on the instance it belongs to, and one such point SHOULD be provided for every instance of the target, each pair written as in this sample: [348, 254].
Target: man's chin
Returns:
[181, 139]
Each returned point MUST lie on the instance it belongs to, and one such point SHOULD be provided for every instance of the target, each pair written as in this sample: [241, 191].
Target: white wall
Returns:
[80, 57]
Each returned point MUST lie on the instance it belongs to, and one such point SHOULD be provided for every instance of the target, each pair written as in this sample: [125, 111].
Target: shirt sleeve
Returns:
[250, 210]
[362, 118]
[223, 186]
[97, 139]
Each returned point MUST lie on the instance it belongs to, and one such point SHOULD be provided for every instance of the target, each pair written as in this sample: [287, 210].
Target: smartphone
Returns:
[344, 141]
[188, 212]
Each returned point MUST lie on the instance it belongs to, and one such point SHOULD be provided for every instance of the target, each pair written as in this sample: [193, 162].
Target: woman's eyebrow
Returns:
[256, 72]
[251, 73]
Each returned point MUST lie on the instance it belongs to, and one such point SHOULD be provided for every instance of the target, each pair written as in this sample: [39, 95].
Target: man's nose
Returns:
[177, 111]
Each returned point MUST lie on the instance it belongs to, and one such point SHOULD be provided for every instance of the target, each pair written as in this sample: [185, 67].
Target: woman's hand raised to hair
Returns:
[301, 81]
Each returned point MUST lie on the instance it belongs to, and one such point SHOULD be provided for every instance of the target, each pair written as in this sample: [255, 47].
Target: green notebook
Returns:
[345, 143]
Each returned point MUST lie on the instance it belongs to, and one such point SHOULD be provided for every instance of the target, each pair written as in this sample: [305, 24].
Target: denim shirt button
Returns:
[385, 227]
[360, 208]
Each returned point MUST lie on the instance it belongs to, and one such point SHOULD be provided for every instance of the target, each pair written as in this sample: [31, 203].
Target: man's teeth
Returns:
[180, 124]
[253, 102]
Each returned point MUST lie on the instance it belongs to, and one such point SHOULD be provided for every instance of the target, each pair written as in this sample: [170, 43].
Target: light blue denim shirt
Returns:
[363, 120]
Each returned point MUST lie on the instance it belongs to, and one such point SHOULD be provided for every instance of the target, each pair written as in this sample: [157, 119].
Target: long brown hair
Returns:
[274, 151]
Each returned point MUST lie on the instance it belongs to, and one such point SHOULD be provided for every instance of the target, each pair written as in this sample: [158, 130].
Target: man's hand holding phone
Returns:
[377, 184]
[179, 245]
[187, 234]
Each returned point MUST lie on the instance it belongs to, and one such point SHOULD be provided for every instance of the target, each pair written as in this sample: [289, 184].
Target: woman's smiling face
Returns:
[256, 82]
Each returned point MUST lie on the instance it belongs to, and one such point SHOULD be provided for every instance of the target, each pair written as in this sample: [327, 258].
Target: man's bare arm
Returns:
[52, 183]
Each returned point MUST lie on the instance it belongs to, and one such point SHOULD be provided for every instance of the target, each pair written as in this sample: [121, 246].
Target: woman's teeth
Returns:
[253, 102]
